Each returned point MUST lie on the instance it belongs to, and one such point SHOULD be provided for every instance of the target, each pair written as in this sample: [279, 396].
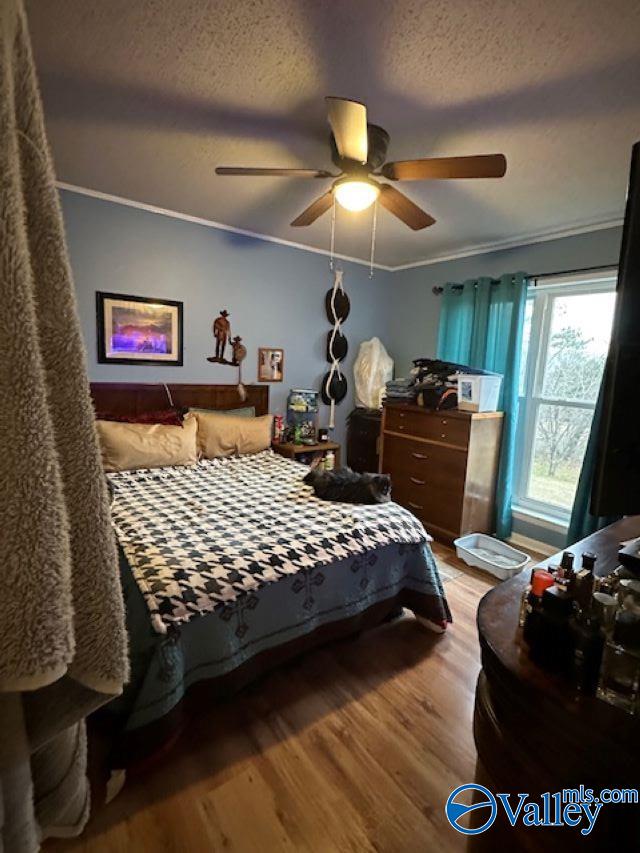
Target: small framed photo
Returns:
[270, 364]
[138, 330]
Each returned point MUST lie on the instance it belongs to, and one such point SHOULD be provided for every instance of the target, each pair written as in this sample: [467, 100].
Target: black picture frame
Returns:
[104, 302]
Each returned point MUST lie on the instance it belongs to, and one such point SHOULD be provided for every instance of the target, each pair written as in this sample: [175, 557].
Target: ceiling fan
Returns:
[359, 150]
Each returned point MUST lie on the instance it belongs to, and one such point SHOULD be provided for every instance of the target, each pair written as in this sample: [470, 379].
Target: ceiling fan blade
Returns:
[315, 210]
[437, 168]
[348, 120]
[402, 207]
[276, 173]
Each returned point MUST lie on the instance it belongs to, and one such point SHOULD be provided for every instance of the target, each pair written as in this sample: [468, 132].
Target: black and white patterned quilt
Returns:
[202, 536]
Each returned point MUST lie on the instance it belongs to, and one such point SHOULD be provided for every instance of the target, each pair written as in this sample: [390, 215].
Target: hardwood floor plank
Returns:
[354, 747]
[243, 814]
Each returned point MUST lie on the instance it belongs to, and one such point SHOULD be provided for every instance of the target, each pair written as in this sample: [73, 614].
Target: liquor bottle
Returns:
[620, 672]
[551, 644]
[565, 571]
[540, 581]
[628, 594]
[588, 643]
[581, 586]
[523, 601]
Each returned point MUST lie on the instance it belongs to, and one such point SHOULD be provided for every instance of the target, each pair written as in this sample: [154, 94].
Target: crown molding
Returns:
[210, 223]
[515, 243]
[466, 252]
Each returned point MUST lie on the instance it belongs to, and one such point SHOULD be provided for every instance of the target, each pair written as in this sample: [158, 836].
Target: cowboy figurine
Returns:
[221, 332]
[239, 350]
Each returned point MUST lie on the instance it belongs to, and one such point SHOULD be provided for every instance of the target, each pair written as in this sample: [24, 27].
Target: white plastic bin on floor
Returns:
[492, 555]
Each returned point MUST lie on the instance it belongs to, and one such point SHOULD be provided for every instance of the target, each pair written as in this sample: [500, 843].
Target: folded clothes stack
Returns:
[401, 390]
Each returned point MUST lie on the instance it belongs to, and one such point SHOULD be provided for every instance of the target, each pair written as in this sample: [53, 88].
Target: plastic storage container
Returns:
[492, 555]
[478, 393]
[302, 414]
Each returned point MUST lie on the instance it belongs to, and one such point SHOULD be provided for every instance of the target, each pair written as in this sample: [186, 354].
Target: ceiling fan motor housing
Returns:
[378, 143]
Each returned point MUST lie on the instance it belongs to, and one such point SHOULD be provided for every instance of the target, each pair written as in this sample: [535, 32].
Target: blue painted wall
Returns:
[275, 295]
[414, 323]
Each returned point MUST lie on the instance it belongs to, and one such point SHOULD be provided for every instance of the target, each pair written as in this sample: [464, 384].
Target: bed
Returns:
[232, 566]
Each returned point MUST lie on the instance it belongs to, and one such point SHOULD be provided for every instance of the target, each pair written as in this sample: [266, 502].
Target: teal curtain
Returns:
[481, 325]
[582, 523]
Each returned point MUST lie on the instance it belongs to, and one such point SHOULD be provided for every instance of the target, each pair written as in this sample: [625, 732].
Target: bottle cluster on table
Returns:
[586, 628]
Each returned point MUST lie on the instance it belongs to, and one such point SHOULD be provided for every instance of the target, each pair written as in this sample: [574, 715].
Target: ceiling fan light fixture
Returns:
[356, 195]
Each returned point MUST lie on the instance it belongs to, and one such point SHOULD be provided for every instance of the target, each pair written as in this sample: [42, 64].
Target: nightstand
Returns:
[293, 451]
[363, 439]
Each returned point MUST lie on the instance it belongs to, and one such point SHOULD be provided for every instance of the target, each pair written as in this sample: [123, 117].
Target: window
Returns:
[566, 339]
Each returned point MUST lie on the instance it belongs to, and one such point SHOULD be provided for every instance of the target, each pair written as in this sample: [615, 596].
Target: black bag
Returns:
[439, 399]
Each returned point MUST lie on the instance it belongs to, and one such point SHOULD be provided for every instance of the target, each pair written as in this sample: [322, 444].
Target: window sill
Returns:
[540, 519]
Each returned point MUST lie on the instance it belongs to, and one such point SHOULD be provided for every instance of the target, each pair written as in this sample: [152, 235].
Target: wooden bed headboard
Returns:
[134, 398]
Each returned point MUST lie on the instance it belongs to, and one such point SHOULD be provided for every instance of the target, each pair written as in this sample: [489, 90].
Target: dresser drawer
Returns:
[418, 463]
[435, 426]
[432, 506]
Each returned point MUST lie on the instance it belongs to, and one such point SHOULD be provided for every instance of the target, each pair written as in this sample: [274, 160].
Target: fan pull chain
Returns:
[333, 234]
[374, 227]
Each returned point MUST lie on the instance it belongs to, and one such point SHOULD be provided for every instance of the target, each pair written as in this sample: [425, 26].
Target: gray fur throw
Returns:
[62, 636]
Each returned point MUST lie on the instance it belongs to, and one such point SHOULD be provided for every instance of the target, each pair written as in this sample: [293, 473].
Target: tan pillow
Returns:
[229, 435]
[126, 447]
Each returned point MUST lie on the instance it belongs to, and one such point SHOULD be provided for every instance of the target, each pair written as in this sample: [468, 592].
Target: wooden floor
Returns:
[354, 747]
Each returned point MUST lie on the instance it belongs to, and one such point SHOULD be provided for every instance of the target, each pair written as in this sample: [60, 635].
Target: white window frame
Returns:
[543, 291]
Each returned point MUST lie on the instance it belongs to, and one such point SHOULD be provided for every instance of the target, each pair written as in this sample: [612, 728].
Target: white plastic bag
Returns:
[372, 369]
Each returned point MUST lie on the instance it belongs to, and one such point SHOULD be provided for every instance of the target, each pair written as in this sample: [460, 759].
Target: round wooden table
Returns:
[534, 734]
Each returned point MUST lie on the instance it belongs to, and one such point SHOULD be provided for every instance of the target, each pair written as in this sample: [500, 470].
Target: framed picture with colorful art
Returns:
[138, 330]
[270, 364]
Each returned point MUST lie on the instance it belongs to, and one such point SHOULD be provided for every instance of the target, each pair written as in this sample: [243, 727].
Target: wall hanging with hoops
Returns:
[334, 382]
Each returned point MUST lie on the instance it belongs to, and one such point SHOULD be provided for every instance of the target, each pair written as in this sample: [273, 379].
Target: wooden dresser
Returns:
[443, 466]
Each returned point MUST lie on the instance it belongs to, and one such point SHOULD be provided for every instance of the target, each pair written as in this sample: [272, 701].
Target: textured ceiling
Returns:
[144, 98]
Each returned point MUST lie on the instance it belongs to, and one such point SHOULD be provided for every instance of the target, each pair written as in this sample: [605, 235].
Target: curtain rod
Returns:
[437, 290]
[573, 272]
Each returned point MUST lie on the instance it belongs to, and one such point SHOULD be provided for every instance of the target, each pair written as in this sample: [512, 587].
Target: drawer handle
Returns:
[419, 456]
[444, 423]
[416, 481]
[414, 506]
[401, 414]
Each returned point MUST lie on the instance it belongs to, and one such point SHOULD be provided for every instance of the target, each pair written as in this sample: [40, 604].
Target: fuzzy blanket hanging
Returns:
[62, 635]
